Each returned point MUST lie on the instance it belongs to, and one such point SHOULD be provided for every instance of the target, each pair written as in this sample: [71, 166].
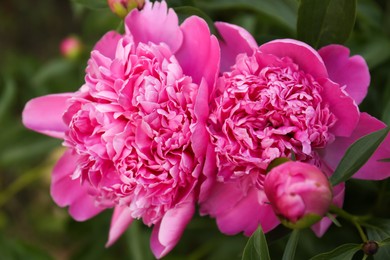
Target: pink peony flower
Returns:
[273, 100]
[299, 193]
[135, 130]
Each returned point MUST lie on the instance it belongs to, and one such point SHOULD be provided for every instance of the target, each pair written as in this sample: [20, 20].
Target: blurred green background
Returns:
[33, 227]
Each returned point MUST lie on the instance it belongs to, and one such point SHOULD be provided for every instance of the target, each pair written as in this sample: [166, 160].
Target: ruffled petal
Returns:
[166, 234]
[302, 54]
[374, 169]
[342, 106]
[155, 23]
[199, 54]
[235, 40]
[120, 221]
[209, 175]
[338, 199]
[68, 192]
[44, 114]
[351, 72]
[107, 44]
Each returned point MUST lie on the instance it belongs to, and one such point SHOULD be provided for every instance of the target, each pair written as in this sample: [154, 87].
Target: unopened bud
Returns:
[71, 47]
[122, 7]
[370, 247]
[299, 193]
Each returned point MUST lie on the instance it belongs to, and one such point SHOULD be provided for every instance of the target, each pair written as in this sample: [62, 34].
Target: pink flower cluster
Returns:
[169, 118]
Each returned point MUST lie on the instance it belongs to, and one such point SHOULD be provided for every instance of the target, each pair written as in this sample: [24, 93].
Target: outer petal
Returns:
[351, 72]
[199, 55]
[373, 169]
[155, 23]
[44, 114]
[120, 220]
[342, 106]
[68, 192]
[235, 40]
[107, 44]
[237, 212]
[302, 54]
[166, 234]
[248, 214]
[338, 199]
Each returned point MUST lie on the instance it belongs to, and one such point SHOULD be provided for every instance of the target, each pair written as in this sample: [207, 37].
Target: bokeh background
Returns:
[31, 65]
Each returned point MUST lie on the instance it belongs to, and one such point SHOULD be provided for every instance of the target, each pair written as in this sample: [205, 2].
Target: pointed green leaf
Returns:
[357, 155]
[257, 247]
[289, 252]
[344, 252]
[322, 22]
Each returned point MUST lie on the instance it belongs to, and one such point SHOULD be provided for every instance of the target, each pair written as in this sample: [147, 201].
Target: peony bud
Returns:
[299, 193]
[122, 7]
[71, 47]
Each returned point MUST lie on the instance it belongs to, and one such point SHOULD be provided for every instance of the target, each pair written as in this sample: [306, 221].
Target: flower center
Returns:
[262, 113]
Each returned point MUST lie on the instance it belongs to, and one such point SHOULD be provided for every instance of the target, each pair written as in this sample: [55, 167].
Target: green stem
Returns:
[355, 220]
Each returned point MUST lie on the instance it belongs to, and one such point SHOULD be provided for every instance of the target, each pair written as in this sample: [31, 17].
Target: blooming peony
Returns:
[135, 130]
[275, 100]
[299, 193]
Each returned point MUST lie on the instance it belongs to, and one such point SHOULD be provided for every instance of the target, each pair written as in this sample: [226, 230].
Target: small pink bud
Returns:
[299, 193]
[71, 47]
[122, 7]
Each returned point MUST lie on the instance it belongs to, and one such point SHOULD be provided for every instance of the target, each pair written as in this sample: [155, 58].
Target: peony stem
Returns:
[356, 220]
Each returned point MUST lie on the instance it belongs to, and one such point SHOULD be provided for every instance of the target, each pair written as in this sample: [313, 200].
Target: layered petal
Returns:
[106, 45]
[68, 192]
[199, 54]
[302, 54]
[339, 102]
[44, 114]
[166, 234]
[374, 169]
[155, 23]
[235, 40]
[120, 221]
[350, 72]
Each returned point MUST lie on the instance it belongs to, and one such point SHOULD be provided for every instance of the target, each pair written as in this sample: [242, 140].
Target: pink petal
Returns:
[342, 106]
[120, 221]
[373, 169]
[44, 114]
[68, 192]
[236, 211]
[166, 234]
[351, 72]
[302, 54]
[155, 23]
[209, 175]
[200, 137]
[248, 214]
[338, 199]
[107, 44]
[199, 55]
[235, 40]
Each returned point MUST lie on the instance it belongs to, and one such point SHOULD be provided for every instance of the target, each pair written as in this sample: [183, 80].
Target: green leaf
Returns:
[344, 252]
[6, 98]
[93, 4]
[378, 229]
[385, 242]
[276, 162]
[283, 12]
[257, 247]
[289, 252]
[322, 22]
[357, 155]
